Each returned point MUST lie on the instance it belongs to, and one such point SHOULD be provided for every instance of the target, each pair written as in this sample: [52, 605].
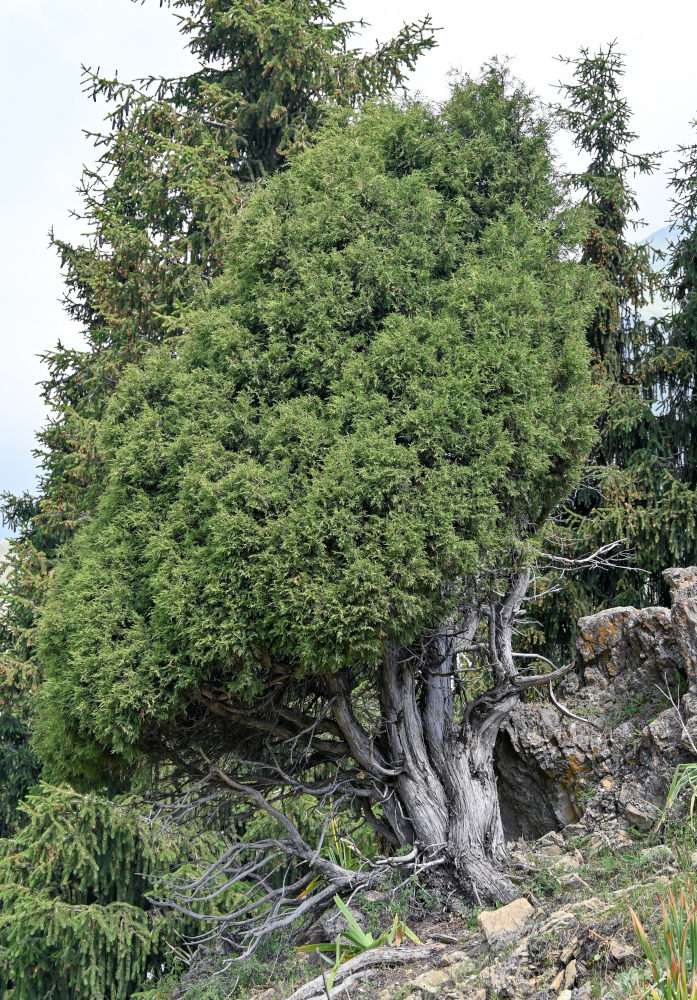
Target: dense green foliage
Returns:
[19, 769]
[380, 392]
[19, 583]
[172, 169]
[387, 391]
[644, 495]
[599, 118]
[74, 918]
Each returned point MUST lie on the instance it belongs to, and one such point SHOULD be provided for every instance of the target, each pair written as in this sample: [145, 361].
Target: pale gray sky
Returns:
[43, 113]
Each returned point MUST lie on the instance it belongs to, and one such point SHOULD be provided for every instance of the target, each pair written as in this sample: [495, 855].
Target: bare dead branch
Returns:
[535, 656]
[538, 680]
[675, 708]
[568, 713]
[608, 556]
[361, 743]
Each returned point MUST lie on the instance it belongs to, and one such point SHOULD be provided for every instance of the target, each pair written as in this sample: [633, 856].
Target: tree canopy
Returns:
[629, 493]
[384, 396]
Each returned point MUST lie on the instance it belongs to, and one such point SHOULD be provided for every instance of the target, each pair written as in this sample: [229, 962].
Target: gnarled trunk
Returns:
[435, 765]
[448, 786]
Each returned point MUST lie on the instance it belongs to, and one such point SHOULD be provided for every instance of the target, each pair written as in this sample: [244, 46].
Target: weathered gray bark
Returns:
[436, 767]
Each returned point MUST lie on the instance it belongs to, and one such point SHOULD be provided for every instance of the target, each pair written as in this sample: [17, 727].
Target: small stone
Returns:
[565, 995]
[570, 975]
[597, 842]
[551, 839]
[558, 980]
[567, 862]
[431, 983]
[453, 958]
[550, 851]
[583, 992]
[574, 881]
[522, 951]
[570, 951]
[502, 926]
[461, 969]
[620, 950]
[641, 814]
[374, 896]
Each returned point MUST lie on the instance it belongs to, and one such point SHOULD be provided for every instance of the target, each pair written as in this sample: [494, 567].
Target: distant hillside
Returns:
[660, 239]
[659, 242]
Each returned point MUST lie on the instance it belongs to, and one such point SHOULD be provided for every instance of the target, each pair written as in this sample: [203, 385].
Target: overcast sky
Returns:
[43, 114]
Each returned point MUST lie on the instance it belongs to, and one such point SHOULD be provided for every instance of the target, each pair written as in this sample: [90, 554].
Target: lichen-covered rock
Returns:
[554, 771]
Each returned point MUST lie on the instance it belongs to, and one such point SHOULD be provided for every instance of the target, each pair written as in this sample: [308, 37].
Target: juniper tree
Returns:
[319, 510]
[171, 170]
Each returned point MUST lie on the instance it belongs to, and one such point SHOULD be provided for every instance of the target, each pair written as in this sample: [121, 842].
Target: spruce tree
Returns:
[629, 492]
[173, 169]
[75, 919]
[598, 118]
[677, 367]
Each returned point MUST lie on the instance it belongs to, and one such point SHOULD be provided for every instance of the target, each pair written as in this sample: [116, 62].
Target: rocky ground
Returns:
[569, 935]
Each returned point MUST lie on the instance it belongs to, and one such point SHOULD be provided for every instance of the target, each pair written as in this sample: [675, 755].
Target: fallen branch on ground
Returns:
[356, 968]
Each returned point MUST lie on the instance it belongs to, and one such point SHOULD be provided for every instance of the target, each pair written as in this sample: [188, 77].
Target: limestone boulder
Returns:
[617, 766]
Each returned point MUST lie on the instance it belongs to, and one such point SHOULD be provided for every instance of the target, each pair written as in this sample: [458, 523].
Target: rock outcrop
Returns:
[615, 768]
